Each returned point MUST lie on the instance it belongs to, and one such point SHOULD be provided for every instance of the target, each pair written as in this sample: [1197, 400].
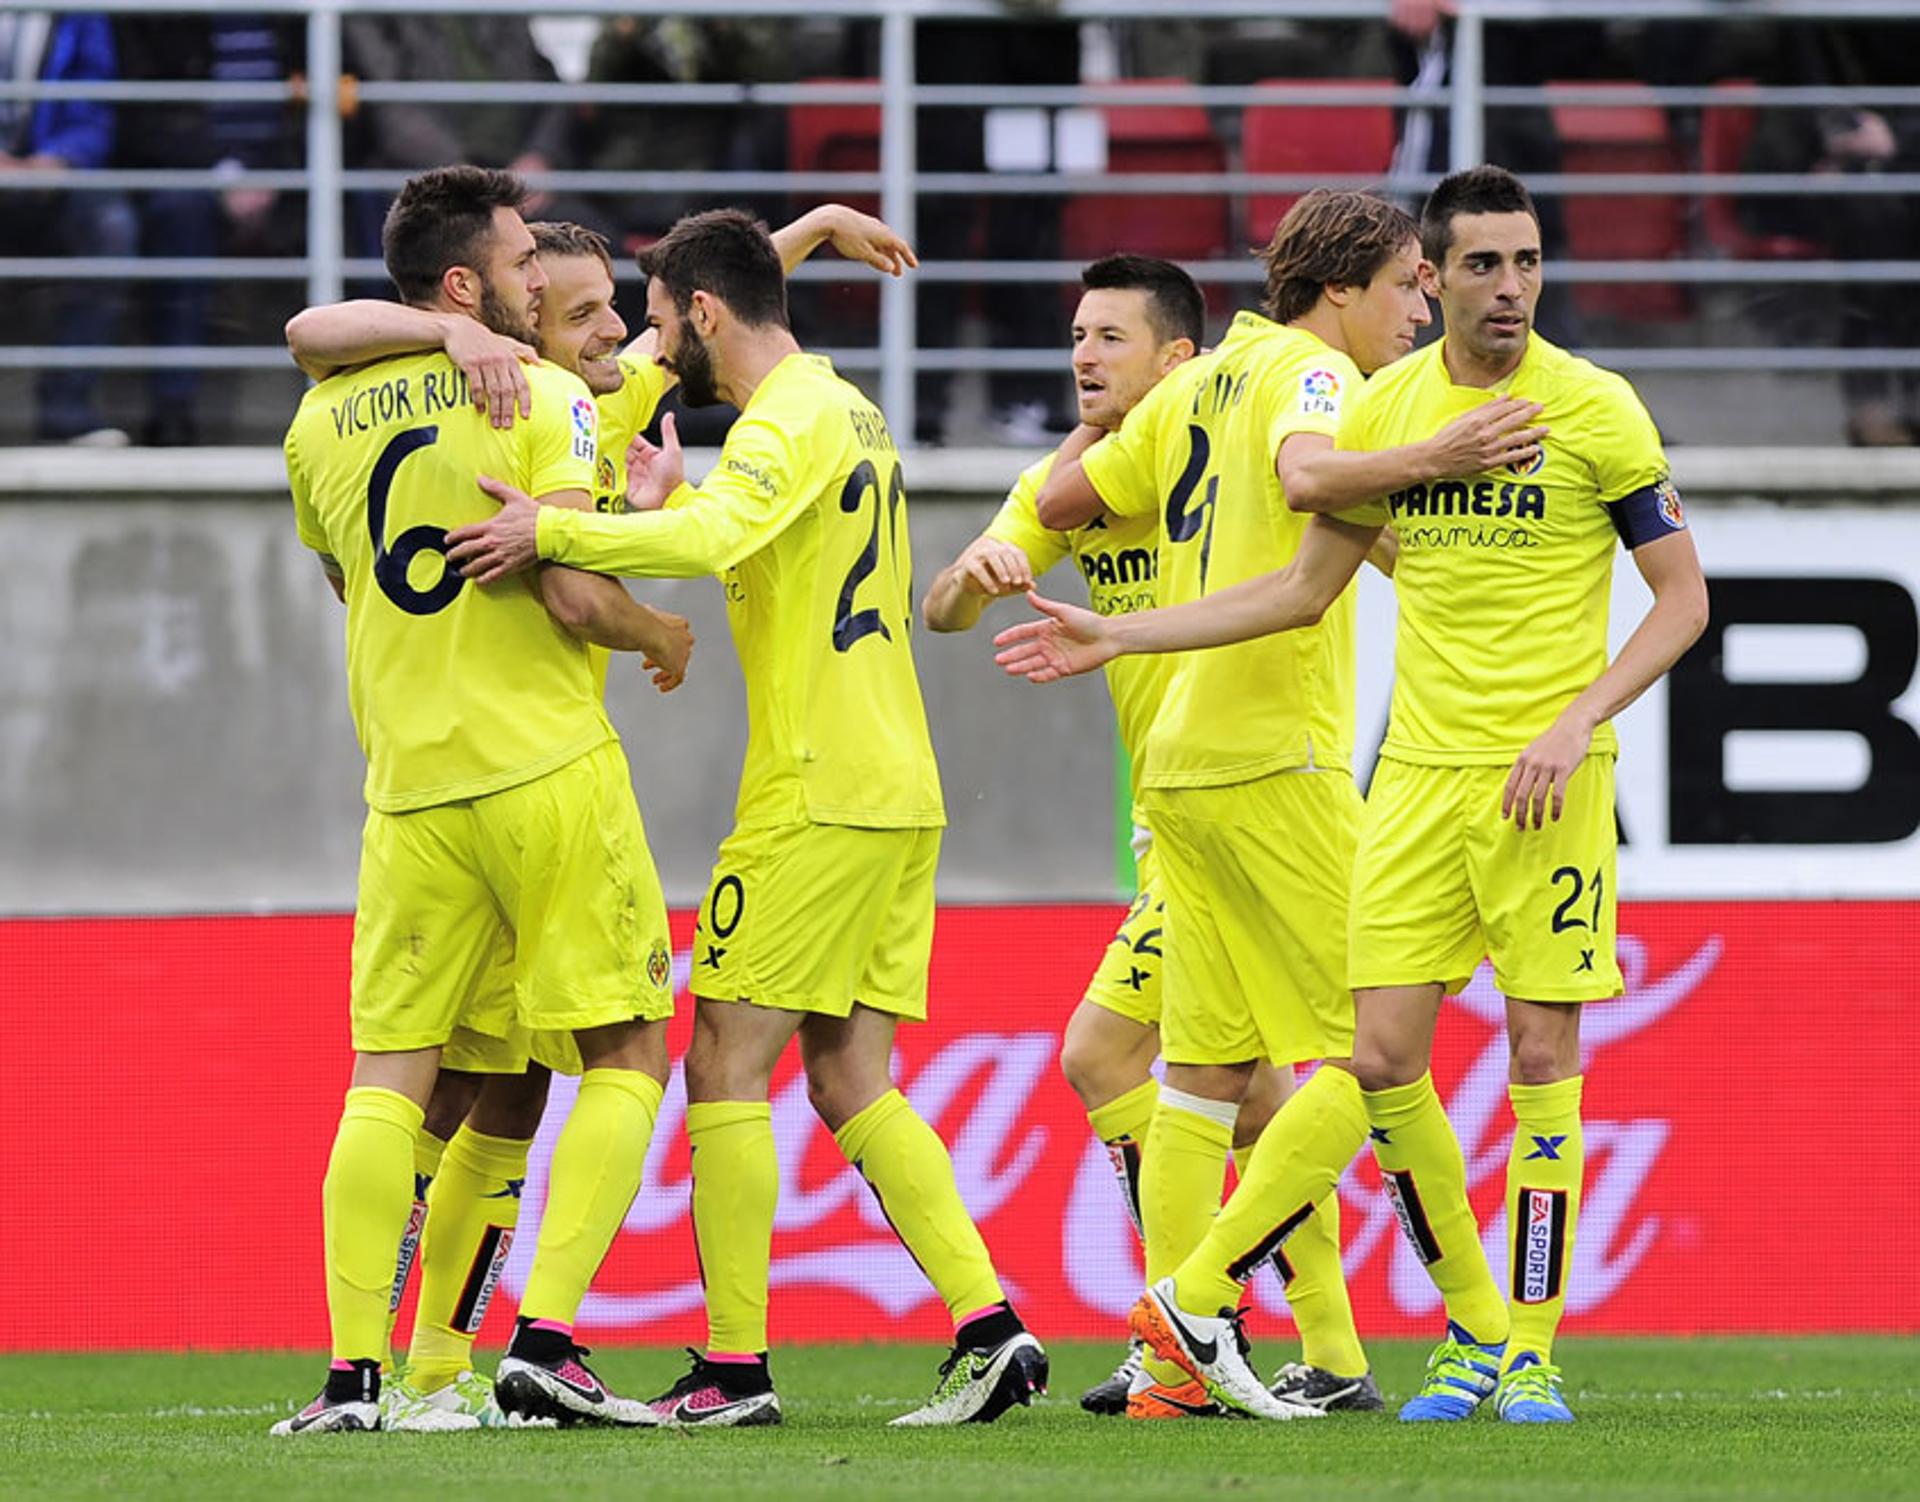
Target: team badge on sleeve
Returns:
[659, 966]
[585, 429]
[1320, 393]
[1671, 511]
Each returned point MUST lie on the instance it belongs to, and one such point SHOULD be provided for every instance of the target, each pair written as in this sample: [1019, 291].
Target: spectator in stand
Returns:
[527, 139]
[1883, 407]
[1519, 139]
[228, 47]
[58, 135]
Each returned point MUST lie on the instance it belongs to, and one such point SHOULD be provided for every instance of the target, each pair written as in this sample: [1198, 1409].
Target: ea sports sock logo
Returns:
[1540, 1238]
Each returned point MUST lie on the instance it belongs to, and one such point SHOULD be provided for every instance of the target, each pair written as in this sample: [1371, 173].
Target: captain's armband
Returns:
[1648, 514]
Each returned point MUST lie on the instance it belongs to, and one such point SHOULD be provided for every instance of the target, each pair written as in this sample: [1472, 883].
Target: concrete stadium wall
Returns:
[173, 725]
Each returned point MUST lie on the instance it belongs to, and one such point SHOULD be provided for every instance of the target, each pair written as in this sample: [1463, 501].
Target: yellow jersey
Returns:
[623, 413]
[1504, 580]
[804, 519]
[456, 691]
[1202, 445]
[1118, 557]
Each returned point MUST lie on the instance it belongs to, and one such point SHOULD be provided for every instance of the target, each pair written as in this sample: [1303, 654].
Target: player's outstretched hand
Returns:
[492, 365]
[861, 237]
[1493, 435]
[1537, 786]
[667, 655]
[1069, 640]
[501, 545]
[653, 473]
[994, 568]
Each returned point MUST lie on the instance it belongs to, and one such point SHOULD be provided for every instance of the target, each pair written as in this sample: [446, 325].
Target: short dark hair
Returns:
[558, 237]
[1486, 189]
[1174, 305]
[1330, 238]
[443, 218]
[726, 253]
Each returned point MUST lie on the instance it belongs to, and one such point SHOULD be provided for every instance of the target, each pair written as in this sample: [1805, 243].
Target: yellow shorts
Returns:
[814, 917]
[1127, 981]
[1255, 881]
[1442, 880]
[556, 870]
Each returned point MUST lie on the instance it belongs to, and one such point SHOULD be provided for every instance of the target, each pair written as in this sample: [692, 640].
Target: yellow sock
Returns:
[1543, 1207]
[907, 1165]
[736, 1186]
[1181, 1179]
[364, 1203]
[1288, 1209]
[472, 1208]
[427, 1151]
[1122, 1125]
[1426, 1178]
[1317, 1292]
[597, 1163]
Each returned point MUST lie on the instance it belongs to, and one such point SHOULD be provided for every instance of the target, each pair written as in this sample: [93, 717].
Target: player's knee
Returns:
[1379, 1065]
[454, 1093]
[1543, 1060]
[1091, 1072]
[510, 1106]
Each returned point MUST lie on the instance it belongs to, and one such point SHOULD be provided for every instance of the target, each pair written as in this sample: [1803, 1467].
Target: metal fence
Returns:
[1465, 98]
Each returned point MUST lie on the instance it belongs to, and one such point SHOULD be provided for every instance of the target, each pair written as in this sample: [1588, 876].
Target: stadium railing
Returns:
[326, 268]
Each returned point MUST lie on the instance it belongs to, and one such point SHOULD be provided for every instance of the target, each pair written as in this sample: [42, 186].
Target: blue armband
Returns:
[1649, 514]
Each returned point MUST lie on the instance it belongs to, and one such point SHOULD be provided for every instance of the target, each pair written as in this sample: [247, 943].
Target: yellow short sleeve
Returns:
[1018, 520]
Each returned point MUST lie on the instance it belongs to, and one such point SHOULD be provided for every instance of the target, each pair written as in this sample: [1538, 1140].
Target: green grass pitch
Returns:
[1790, 1419]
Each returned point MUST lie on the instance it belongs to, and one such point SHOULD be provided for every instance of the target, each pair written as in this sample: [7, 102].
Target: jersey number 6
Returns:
[390, 564]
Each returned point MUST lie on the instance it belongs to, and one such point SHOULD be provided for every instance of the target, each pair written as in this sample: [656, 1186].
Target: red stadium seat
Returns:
[1725, 131]
[835, 138]
[1166, 138]
[1330, 139]
[1630, 137]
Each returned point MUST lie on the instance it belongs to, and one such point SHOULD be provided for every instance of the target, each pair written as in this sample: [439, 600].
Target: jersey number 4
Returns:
[849, 625]
[390, 564]
[1186, 521]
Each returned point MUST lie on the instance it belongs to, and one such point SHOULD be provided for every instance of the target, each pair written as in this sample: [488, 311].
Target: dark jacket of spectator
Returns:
[452, 49]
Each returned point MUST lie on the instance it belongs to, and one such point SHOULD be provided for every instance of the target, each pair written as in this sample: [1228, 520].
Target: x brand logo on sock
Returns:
[1379, 1134]
[1546, 1147]
[510, 1192]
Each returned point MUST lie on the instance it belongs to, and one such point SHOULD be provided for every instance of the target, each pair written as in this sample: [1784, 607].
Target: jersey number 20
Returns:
[849, 625]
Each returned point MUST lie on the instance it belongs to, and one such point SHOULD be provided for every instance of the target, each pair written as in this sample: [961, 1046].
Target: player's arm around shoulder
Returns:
[335, 337]
[1069, 497]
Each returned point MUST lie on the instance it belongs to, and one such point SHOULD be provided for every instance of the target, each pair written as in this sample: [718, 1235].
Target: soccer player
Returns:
[467, 1178]
[499, 801]
[1247, 786]
[1138, 320]
[1490, 824]
[819, 919]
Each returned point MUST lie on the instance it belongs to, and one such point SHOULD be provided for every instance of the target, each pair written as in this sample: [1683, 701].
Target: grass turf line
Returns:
[1696, 1419]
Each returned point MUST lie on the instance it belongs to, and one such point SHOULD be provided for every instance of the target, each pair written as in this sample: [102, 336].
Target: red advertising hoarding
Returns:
[169, 1088]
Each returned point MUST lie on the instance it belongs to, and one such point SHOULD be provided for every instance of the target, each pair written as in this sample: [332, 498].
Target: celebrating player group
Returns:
[470, 471]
